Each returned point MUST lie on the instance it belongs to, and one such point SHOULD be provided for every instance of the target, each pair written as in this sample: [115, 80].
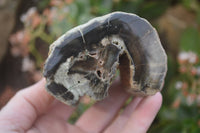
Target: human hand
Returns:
[33, 110]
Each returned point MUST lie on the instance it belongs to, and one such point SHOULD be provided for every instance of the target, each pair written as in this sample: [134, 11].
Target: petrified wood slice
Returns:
[84, 60]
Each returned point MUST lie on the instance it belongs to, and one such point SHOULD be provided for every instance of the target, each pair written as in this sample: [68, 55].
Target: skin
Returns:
[33, 110]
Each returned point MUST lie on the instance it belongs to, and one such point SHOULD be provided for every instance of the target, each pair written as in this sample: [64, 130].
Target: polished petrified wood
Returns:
[84, 60]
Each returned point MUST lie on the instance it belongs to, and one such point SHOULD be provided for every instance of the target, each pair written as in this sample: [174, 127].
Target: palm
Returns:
[33, 110]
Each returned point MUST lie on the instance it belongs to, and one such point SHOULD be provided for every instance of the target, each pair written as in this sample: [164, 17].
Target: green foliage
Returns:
[181, 104]
[190, 40]
[182, 120]
[78, 13]
[101, 7]
[191, 4]
[144, 8]
[154, 9]
[43, 4]
[180, 112]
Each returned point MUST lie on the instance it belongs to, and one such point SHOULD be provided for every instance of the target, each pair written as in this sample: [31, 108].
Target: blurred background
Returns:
[27, 28]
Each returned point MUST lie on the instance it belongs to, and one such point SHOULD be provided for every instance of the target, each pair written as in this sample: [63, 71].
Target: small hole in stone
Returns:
[92, 53]
[79, 81]
[99, 73]
[116, 43]
[101, 62]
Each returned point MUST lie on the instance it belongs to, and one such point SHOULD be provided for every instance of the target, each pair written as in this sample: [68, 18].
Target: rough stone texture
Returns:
[84, 60]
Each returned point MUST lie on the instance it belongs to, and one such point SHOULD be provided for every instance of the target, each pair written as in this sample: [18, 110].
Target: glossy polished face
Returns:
[85, 59]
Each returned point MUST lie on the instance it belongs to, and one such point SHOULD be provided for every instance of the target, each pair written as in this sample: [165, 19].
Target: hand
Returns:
[33, 110]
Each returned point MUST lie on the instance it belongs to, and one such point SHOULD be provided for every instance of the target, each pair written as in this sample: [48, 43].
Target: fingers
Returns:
[102, 113]
[118, 124]
[143, 115]
[53, 125]
[60, 110]
[37, 96]
[26, 105]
